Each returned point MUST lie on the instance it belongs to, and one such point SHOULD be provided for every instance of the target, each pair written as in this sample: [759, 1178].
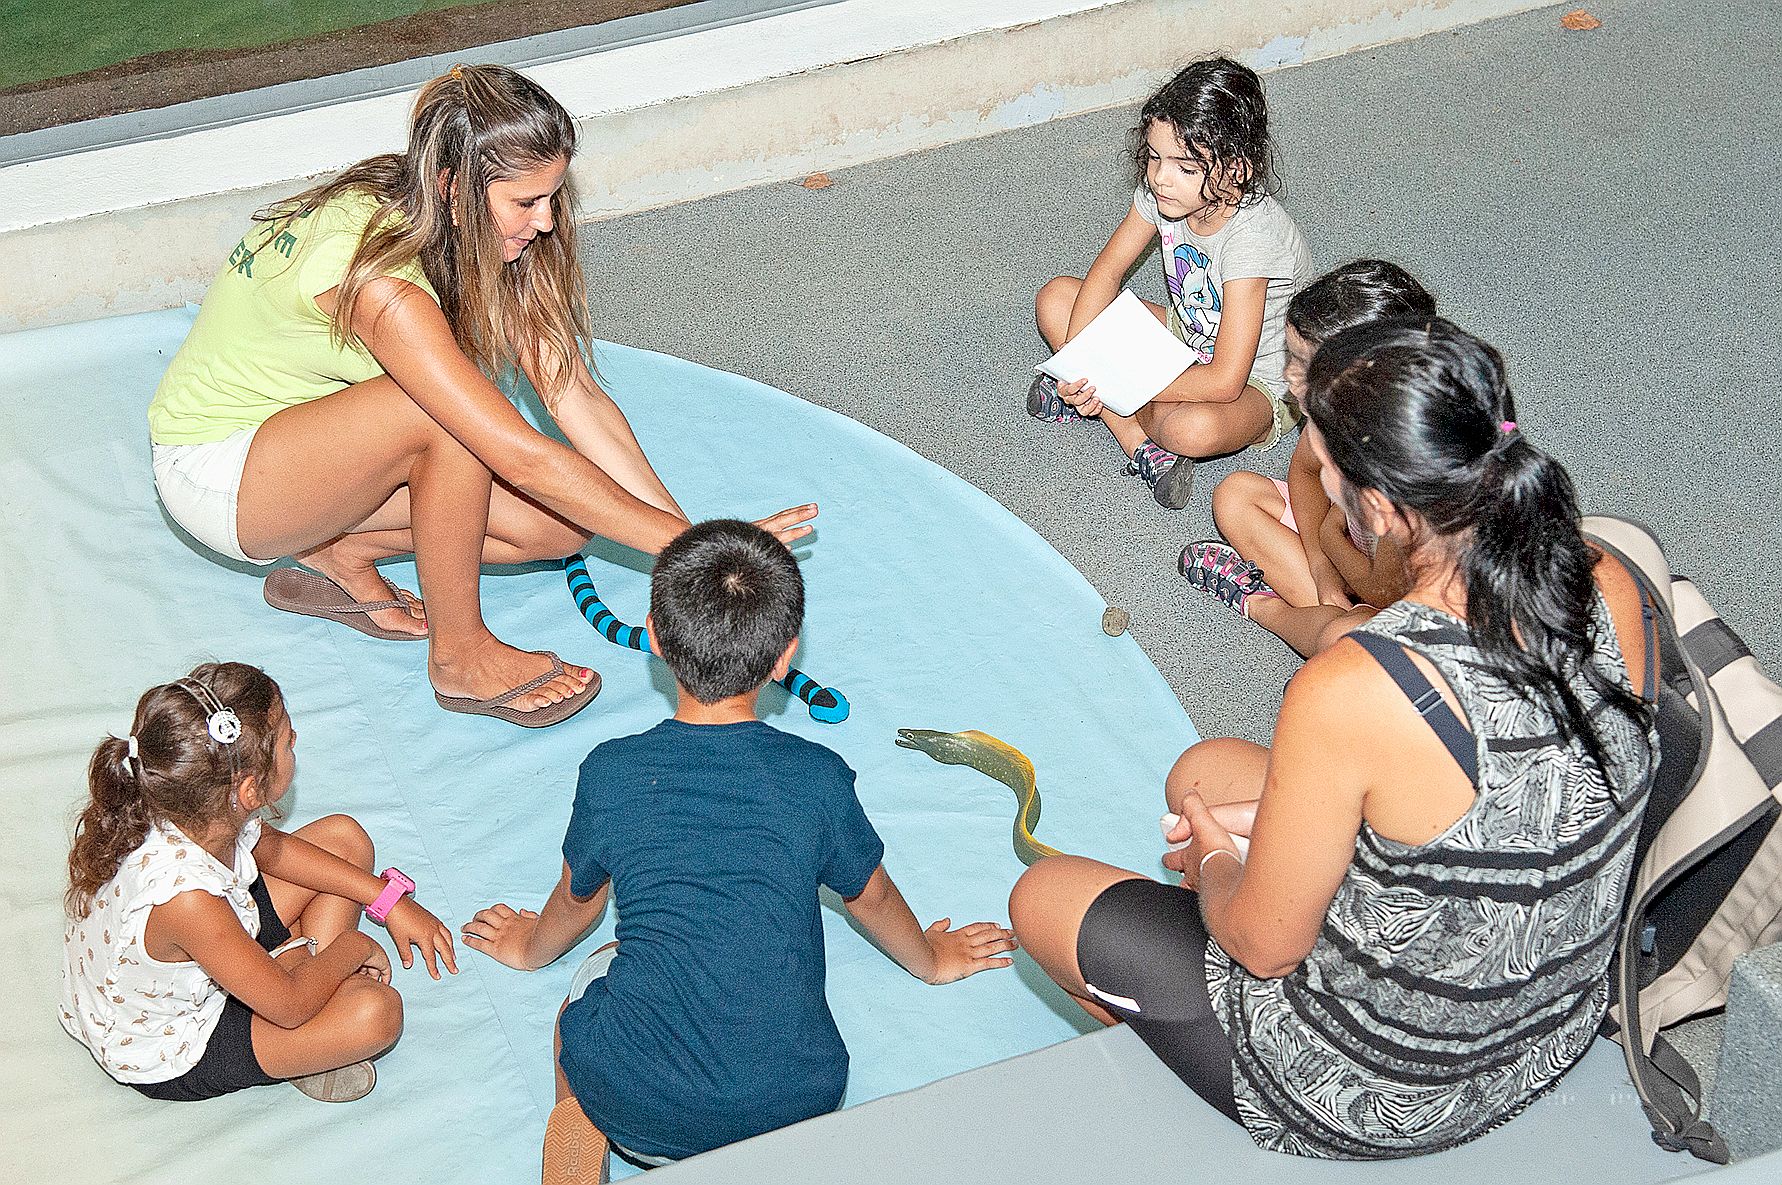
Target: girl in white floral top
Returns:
[206, 952]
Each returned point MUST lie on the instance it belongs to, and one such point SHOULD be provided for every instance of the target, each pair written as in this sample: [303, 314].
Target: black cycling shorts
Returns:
[1142, 949]
[228, 1064]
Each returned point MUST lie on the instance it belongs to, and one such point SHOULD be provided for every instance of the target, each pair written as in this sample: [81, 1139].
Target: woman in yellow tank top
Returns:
[334, 403]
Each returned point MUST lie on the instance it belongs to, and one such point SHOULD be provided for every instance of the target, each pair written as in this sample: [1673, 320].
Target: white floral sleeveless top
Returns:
[142, 1019]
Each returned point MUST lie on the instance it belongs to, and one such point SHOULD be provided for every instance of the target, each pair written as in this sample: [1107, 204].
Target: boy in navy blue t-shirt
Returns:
[707, 1023]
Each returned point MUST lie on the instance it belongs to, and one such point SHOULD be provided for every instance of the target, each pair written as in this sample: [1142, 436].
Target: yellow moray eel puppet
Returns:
[997, 759]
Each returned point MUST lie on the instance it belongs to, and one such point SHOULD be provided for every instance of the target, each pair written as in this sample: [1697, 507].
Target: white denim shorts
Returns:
[198, 484]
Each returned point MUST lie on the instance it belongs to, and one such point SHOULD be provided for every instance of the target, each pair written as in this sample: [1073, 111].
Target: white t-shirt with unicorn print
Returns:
[1260, 240]
[144, 1020]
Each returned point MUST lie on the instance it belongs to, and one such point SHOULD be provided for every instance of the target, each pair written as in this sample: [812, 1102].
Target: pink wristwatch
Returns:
[396, 887]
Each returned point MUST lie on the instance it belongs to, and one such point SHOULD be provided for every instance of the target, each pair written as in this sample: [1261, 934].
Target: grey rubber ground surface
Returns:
[1602, 206]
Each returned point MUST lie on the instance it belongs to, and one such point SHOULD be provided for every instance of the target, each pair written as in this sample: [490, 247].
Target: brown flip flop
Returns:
[537, 718]
[313, 595]
[338, 1086]
[574, 1149]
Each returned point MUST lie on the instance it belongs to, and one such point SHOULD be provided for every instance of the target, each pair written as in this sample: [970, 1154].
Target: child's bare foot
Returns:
[488, 668]
[354, 569]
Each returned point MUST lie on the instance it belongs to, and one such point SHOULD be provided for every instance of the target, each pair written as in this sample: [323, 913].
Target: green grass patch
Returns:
[44, 39]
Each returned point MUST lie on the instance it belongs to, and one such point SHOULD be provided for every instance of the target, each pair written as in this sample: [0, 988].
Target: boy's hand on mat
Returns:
[411, 925]
[502, 932]
[967, 950]
[1081, 396]
[792, 523]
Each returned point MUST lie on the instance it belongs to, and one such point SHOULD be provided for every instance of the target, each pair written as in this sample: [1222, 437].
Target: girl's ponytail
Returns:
[114, 824]
[169, 770]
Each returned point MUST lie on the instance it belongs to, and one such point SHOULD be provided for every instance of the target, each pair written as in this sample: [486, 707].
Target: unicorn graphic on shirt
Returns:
[1195, 296]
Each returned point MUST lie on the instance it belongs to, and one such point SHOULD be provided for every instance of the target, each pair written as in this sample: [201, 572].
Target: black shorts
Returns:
[228, 1064]
[1142, 948]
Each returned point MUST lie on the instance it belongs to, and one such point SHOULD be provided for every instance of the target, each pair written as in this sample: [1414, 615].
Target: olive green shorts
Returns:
[1286, 413]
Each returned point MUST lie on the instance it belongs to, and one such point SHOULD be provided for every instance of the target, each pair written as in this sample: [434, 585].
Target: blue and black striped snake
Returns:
[826, 704]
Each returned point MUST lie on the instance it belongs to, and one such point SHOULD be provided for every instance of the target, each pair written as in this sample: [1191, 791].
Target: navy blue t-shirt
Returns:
[711, 1025]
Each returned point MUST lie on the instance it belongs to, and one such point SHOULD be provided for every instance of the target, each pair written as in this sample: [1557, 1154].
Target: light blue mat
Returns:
[930, 606]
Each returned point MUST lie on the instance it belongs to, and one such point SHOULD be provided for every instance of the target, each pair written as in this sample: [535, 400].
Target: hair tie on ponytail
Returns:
[1507, 427]
[132, 752]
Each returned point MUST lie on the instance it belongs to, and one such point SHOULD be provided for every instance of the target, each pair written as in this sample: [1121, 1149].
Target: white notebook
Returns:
[1126, 354]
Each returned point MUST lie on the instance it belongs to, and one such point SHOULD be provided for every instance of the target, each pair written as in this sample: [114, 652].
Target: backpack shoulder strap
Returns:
[1637, 549]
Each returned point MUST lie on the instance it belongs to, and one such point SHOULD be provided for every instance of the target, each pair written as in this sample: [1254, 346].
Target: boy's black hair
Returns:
[726, 598]
[1216, 106]
[1357, 293]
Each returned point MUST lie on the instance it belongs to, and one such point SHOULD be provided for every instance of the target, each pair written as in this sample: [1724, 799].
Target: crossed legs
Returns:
[1186, 429]
[1248, 508]
[365, 1017]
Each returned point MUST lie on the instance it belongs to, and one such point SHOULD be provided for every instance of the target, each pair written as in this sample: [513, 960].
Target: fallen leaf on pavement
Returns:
[1579, 21]
[817, 181]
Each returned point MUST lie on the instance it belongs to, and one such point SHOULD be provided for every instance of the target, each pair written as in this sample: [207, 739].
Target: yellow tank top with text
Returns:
[260, 344]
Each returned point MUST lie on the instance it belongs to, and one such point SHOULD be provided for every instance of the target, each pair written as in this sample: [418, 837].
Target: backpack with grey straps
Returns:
[1707, 882]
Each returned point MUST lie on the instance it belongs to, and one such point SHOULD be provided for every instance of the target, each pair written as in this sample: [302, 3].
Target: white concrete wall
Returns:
[143, 226]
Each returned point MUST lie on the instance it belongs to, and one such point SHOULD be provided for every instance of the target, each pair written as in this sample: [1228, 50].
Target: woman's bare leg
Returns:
[322, 472]
[1051, 899]
[520, 530]
[1046, 910]
[1221, 770]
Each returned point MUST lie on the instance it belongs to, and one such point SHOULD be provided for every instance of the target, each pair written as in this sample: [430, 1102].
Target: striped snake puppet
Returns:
[826, 704]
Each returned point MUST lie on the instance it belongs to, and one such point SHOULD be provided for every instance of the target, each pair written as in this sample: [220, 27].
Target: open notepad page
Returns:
[1125, 353]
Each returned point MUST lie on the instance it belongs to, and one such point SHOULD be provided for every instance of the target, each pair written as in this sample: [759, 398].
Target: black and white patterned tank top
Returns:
[1453, 981]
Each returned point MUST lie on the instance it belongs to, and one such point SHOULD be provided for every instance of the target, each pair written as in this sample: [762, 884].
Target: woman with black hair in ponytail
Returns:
[1412, 899]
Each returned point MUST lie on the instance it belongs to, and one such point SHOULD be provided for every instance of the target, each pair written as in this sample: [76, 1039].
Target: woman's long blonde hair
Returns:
[470, 127]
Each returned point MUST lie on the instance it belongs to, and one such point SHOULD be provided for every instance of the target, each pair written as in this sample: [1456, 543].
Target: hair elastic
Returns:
[132, 752]
[1507, 427]
[1219, 852]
